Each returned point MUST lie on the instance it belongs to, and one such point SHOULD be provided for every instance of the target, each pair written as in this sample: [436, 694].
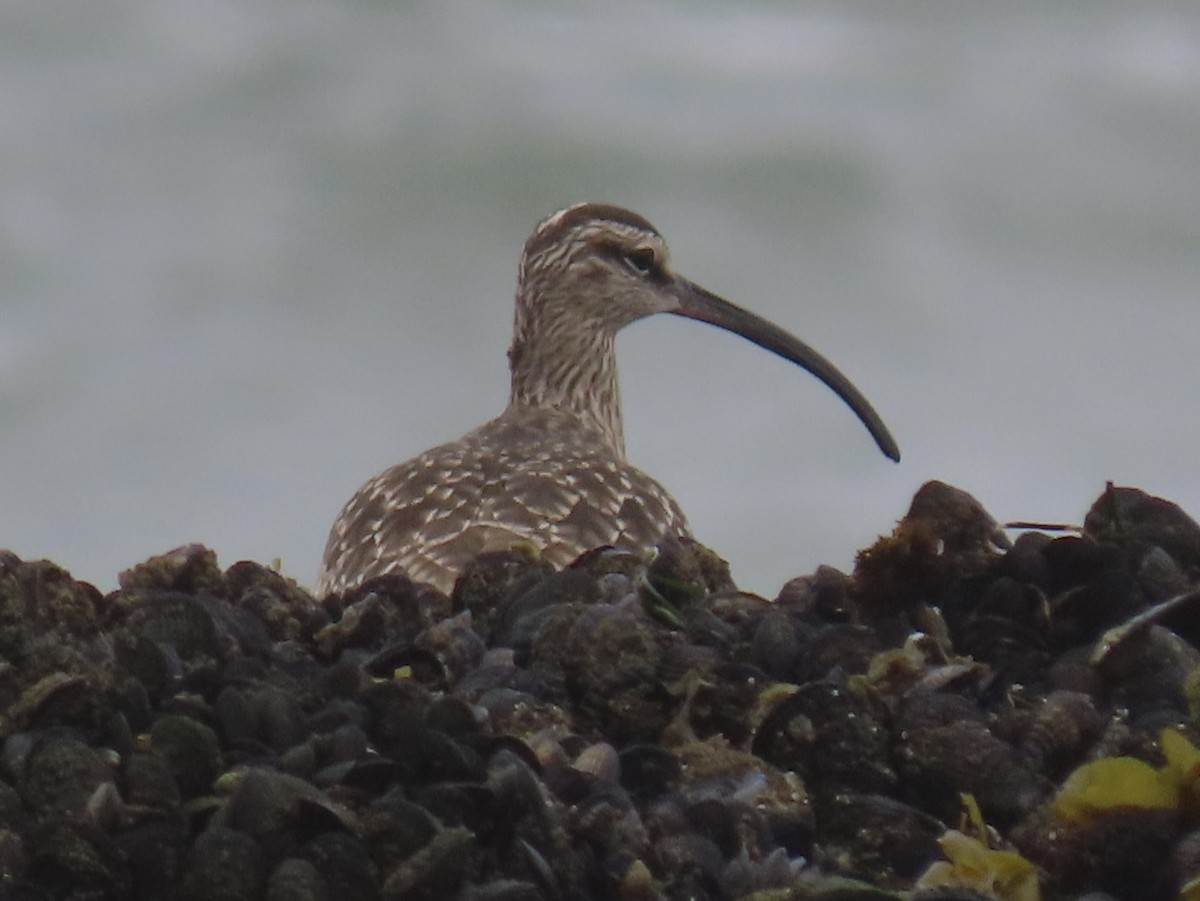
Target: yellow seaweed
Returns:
[969, 863]
[1113, 782]
[1182, 766]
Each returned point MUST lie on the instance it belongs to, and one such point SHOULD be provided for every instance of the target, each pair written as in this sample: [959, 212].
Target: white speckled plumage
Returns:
[551, 469]
[534, 475]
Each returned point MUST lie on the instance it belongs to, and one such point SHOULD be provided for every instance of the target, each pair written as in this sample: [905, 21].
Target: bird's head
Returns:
[591, 269]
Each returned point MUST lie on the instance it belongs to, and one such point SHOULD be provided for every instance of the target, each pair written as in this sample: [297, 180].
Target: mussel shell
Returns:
[831, 735]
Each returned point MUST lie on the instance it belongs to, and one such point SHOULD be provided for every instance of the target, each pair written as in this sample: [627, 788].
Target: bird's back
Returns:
[533, 474]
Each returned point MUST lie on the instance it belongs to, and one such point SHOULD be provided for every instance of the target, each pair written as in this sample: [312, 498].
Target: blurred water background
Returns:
[253, 251]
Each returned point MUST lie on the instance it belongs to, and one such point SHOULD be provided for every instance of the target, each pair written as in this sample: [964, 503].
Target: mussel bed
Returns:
[960, 717]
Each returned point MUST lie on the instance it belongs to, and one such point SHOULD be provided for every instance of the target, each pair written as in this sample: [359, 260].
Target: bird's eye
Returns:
[642, 259]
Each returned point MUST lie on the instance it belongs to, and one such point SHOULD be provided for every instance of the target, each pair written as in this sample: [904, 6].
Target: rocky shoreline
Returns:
[957, 718]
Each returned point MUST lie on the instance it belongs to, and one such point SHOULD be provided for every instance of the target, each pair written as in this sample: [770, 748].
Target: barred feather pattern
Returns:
[534, 474]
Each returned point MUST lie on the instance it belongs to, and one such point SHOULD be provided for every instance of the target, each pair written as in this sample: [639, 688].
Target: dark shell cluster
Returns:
[960, 718]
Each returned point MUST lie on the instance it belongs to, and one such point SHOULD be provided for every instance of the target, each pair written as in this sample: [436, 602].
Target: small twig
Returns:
[1044, 526]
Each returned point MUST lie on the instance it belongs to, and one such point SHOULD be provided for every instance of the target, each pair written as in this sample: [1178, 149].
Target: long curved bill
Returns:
[697, 303]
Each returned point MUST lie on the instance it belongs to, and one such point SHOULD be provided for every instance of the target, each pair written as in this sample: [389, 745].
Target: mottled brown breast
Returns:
[532, 475]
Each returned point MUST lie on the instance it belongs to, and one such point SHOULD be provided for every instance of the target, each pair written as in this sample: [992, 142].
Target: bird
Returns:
[550, 471]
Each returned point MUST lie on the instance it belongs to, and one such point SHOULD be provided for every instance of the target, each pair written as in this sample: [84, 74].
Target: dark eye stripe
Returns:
[642, 259]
